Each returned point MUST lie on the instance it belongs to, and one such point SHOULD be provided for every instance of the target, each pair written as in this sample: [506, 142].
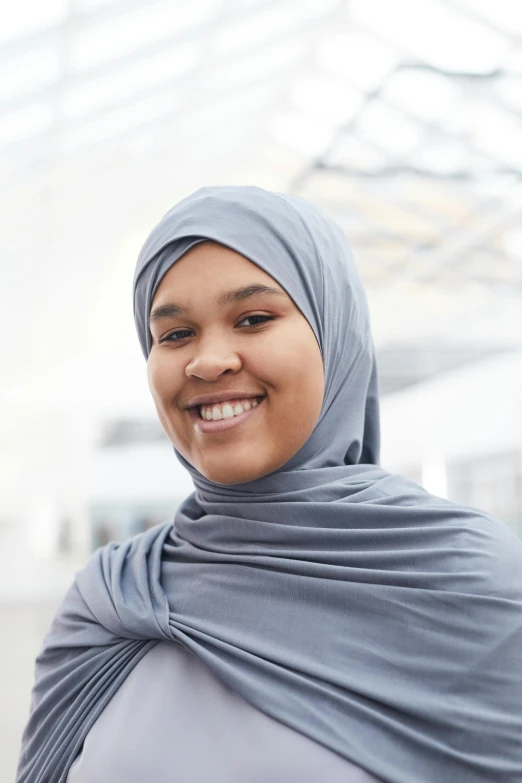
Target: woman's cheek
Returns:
[273, 355]
[162, 375]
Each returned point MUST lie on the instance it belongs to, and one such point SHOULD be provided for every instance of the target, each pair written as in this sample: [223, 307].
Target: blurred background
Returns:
[402, 119]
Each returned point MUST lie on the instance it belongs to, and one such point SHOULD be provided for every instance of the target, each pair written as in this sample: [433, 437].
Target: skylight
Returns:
[24, 17]
[28, 71]
[112, 38]
[434, 32]
[145, 73]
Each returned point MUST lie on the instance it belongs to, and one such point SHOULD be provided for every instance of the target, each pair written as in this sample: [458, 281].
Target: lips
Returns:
[222, 425]
[219, 397]
[228, 407]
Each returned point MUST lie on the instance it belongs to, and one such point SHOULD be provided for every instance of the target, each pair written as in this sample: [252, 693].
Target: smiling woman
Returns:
[245, 357]
[307, 615]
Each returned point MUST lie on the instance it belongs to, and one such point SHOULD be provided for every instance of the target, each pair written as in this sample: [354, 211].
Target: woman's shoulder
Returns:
[488, 548]
[479, 546]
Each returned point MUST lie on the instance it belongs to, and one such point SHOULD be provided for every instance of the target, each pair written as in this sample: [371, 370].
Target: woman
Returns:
[308, 616]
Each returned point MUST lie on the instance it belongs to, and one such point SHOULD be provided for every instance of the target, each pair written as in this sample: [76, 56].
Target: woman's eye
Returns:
[175, 336]
[252, 317]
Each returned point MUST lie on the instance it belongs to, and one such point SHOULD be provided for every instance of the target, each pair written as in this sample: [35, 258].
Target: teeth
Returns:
[227, 411]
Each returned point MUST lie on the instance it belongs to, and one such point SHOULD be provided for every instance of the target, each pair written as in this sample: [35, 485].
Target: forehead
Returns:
[210, 267]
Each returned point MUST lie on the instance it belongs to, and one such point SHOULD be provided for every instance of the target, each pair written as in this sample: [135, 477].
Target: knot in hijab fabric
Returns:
[346, 602]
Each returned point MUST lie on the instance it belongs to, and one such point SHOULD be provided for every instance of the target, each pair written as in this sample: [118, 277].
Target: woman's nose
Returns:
[212, 360]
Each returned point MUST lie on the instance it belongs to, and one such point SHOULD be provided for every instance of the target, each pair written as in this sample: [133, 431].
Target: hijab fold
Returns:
[342, 600]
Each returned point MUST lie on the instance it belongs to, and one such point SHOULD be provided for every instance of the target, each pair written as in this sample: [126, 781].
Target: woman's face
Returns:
[248, 353]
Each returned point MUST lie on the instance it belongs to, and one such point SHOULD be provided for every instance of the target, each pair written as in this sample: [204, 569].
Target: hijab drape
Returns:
[342, 600]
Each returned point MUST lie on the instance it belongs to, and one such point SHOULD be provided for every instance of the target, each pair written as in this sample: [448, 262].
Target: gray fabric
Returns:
[344, 601]
[197, 730]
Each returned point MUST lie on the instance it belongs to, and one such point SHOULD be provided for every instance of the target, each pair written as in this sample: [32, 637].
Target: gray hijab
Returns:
[344, 601]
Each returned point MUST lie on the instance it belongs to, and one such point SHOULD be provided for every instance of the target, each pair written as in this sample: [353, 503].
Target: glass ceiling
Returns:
[409, 134]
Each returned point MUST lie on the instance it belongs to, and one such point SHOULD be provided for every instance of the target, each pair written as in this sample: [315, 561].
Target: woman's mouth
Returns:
[230, 414]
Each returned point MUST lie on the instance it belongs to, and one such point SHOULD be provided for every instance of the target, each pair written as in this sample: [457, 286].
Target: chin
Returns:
[230, 476]
[233, 474]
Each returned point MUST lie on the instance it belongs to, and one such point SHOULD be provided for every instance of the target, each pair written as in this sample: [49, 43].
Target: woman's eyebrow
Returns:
[172, 309]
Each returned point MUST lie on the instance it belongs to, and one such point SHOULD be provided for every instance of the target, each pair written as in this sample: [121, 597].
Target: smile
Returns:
[223, 424]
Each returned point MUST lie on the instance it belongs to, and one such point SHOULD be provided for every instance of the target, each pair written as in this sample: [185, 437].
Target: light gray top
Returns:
[174, 717]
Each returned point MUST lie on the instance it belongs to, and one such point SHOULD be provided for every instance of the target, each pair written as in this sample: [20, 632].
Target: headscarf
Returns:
[340, 599]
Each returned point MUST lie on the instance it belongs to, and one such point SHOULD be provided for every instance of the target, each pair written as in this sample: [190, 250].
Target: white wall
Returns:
[475, 410]
[148, 472]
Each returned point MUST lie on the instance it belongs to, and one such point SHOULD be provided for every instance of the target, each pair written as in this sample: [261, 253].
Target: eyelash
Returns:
[247, 318]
